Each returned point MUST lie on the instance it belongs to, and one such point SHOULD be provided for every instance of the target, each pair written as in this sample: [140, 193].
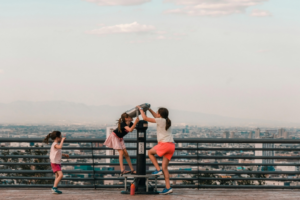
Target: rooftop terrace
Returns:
[89, 194]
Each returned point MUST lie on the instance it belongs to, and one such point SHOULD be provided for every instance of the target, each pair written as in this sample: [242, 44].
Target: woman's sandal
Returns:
[124, 172]
[133, 172]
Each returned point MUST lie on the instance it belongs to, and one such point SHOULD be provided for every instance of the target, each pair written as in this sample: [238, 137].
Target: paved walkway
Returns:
[89, 194]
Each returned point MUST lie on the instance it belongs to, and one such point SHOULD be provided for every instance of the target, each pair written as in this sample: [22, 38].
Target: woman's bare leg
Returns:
[165, 164]
[151, 154]
[128, 159]
[121, 159]
[58, 177]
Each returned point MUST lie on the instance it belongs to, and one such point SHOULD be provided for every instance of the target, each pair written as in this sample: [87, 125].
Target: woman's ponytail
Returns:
[46, 140]
[168, 123]
[52, 135]
[164, 113]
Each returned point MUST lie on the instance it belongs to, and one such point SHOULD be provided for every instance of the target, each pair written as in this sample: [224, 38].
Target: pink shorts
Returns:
[165, 149]
[55, 167]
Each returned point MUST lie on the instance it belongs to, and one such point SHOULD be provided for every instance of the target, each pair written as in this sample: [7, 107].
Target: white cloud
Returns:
[118, 2]
[212, 7]
[123, 28]
[260, 13]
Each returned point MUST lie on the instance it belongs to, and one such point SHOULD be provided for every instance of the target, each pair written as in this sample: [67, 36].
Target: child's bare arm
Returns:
[154, 114]
[61, 144]
[148, 119]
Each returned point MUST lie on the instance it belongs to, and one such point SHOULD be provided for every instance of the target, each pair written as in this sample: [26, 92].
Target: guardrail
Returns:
[33, 169]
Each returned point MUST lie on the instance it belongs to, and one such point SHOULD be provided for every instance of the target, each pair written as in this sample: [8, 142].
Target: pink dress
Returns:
[113, 141]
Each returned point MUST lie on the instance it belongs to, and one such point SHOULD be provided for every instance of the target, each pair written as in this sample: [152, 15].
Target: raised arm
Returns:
[148, 119]
[154, 114]
[133, 126]
[61, 143]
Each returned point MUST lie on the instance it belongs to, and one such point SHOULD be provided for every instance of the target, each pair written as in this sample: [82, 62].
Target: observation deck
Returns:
[200, 169]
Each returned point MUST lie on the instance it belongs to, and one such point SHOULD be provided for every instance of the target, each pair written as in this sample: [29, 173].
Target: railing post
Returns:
[93, 166]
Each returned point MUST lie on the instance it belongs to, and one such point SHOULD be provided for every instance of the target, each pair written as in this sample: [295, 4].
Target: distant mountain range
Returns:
[60, 112]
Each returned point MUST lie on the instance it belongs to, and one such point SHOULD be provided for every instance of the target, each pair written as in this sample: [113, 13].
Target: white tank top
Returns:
[55, 154]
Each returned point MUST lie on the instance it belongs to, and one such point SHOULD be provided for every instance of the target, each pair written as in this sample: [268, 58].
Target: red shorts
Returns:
[55, 167]
[165, 149]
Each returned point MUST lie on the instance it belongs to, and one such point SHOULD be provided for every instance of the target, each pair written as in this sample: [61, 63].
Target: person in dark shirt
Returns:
[115, 140]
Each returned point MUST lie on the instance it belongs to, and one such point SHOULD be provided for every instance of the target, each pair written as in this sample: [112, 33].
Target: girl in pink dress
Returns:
[115, 140]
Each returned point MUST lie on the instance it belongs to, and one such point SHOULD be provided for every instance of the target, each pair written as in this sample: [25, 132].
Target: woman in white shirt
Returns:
[165, 147]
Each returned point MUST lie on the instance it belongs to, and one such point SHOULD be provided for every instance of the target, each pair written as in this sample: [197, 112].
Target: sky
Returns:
[235, 58]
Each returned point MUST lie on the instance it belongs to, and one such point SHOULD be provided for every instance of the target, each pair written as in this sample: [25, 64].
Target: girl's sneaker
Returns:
[55, 191]
[157, 172]
[166, 191]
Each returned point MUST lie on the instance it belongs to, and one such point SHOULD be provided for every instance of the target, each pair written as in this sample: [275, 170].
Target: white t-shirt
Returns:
[163, 135]
[55, 154]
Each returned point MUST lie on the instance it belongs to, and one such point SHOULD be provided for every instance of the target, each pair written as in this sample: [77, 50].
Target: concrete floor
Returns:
[89, 194]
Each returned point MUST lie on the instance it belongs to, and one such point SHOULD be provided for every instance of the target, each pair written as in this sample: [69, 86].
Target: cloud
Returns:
[123, 28]
[118, 2]
[212, 7]
[1, 71]
[260, 13]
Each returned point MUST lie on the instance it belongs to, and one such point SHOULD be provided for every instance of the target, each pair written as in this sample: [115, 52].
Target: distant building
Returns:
[264, 152]
[231, 134]
[251, 135]
[268, 153]
[187, 129]
[109, 130]
[285, 135]
[226, 134]
[257, 133]
[280, 132]
[259, 152]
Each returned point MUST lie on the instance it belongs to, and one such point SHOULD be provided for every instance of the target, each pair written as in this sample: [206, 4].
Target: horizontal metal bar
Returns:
[87, 186]
[46, 171]
[248, 157]
[177, 149]
[251, 179]
[245, 149]
[245, 172]
[86, 179]
[45, 178]
[171, 172]
[174, 157]
[170, 164]
[64, 148]
[150, 140]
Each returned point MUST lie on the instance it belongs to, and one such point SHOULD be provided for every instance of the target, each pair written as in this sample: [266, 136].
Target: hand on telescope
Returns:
[139, 107]
[137, 119]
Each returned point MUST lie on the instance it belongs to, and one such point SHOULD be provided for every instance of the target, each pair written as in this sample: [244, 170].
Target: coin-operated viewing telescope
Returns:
[141, 185]
[135, 112]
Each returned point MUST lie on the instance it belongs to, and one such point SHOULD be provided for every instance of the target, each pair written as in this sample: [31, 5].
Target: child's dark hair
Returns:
[122, 119]
[52, 135]
[164, 113]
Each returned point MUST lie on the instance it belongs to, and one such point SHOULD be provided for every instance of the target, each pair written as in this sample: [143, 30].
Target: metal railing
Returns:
[34, 170]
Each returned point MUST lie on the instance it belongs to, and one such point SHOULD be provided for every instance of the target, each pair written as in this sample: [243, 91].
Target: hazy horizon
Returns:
[237, 59]
[63, 112]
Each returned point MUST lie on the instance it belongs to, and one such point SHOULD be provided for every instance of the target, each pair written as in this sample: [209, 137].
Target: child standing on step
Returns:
[55, 157]
[115, 140]
[165, 147]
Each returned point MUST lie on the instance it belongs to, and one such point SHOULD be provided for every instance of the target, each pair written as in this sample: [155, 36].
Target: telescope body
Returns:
[134, 112]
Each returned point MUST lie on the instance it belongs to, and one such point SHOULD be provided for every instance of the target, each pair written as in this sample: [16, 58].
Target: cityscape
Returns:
[182, 164]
